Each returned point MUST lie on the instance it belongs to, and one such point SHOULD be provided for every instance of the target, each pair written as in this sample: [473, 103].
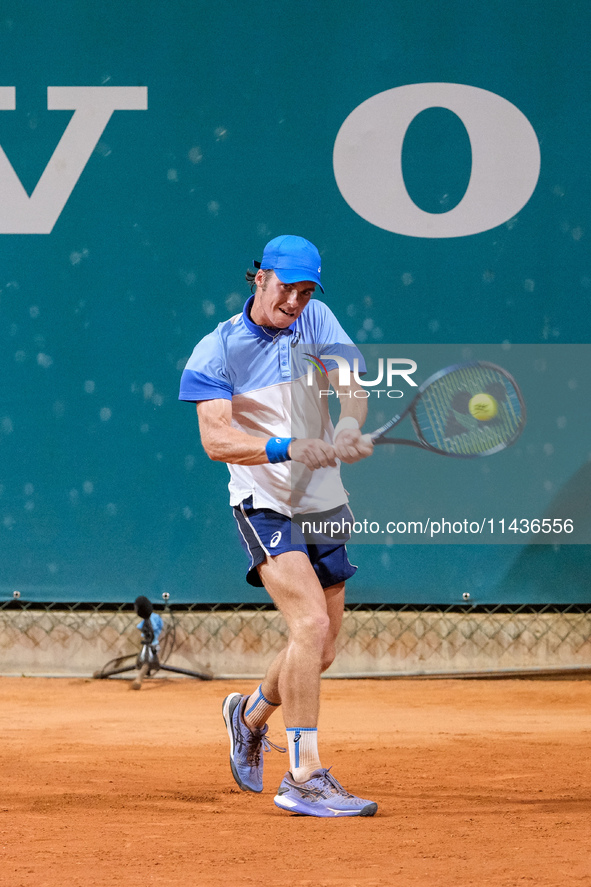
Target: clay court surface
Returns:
[478, 783]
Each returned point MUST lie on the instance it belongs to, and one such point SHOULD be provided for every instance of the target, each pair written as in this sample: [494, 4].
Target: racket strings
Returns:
[443, 420]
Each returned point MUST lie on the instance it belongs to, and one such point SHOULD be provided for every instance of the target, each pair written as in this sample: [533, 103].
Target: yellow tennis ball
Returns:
[483, 407]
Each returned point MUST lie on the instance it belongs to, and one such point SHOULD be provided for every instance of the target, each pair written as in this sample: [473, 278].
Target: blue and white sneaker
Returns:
[246, 745]
[321, 795]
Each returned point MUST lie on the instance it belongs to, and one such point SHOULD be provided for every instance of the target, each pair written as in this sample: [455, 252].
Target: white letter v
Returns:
[93, 106]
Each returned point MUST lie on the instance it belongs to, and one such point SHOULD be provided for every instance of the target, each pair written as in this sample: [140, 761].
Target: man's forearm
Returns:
[228, 444]
[354, 408]
[351, 406]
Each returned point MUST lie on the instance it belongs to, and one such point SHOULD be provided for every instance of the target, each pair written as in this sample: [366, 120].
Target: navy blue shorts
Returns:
[264, 533]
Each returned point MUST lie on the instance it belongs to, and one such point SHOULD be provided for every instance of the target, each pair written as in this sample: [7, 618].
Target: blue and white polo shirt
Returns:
[267, 377]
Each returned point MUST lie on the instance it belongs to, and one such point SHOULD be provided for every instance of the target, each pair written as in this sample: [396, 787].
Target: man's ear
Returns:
[261, 277]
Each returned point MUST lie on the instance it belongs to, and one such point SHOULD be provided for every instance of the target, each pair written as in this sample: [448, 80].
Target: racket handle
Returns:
[367, 438]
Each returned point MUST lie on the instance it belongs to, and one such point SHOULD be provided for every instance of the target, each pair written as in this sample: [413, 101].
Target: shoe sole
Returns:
[322, 812]
[228, 708]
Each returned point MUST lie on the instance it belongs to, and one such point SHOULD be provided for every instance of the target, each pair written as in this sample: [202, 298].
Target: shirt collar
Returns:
[262, 332]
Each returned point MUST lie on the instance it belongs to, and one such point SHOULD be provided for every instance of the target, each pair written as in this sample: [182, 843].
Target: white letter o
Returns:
[368, 160]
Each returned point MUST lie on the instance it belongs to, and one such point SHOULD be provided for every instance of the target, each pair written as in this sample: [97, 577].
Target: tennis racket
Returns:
[466, 410]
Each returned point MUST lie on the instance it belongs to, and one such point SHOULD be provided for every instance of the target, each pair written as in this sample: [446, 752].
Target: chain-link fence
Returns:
[78, 639]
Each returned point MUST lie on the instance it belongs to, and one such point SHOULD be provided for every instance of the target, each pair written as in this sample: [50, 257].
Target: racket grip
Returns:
[367, 438]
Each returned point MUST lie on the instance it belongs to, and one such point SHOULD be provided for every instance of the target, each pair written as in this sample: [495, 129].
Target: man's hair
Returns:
[252, 273]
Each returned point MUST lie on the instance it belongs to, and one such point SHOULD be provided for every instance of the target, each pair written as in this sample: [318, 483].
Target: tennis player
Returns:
[242, 378]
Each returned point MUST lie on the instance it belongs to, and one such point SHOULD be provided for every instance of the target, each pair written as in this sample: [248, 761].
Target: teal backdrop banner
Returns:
[436, 153]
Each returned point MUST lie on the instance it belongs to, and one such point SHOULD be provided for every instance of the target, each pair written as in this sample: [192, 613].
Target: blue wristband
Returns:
[277, 448]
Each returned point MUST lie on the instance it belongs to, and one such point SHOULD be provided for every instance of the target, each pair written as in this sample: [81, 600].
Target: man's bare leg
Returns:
[334, 598]
[262, 708]
[313, 616]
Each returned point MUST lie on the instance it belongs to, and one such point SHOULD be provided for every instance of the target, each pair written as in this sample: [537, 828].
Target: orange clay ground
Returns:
[478, 783]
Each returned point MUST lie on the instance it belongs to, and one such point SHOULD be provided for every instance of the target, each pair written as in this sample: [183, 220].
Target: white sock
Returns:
[258, 709]
[303, 752]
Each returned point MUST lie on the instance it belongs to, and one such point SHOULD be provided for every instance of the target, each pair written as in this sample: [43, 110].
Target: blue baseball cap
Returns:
[292, 259]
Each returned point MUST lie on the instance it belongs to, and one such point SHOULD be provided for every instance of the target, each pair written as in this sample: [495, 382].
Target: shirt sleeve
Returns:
[331, 338]
[205, 376]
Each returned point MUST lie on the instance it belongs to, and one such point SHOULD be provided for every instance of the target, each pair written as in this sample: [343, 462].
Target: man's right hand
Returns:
[313, 452]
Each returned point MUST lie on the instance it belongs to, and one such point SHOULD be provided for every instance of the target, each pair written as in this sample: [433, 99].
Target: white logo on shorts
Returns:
[275, 539]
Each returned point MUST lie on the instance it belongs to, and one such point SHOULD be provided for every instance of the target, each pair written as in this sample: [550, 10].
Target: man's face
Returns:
[279, 304]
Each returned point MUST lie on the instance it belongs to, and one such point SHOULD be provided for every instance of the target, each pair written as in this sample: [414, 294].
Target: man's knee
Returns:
[311, 629]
